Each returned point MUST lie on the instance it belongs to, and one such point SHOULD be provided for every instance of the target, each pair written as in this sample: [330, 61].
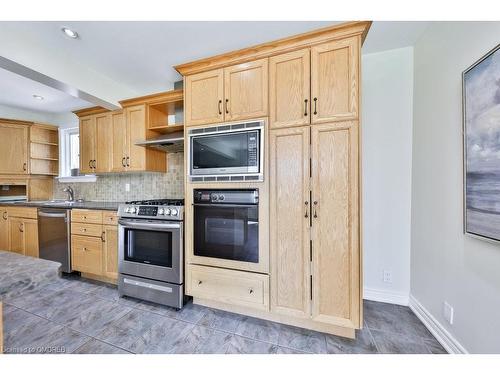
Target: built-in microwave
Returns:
[232, 152]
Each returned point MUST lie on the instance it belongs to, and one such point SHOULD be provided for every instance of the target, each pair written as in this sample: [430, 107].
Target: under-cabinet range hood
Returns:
[172, 142]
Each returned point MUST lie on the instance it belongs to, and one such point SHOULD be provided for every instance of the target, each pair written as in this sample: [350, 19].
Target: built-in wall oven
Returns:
[226, 224]
[232, 152]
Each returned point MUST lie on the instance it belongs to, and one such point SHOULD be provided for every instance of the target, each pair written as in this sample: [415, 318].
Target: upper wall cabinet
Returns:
[95, 136]
[237, 92]
[335, 80]
[14, 148]
[87, 144]
[316, 85]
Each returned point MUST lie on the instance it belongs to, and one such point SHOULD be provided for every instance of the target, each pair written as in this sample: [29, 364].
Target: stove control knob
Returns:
[173, 212]
[214, 197]
[222, 197]
[160, 211]
[167, 211]
[133, 210]
[127, 209]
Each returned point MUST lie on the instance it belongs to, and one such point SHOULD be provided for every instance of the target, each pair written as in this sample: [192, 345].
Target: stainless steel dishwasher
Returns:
[54, 236]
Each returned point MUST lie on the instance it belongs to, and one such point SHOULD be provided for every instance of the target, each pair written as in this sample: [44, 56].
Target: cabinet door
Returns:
[290, 221]
[110, 251]
[289, 89]
[335, 224]
[86, 254]
[30, 237]
[103, 151]
[135, 118]
[119, 143]
[87, 144]
[16, 235]
[245, 90]
[4, 229]
[13, 149]
[335, 80]
[203, 98]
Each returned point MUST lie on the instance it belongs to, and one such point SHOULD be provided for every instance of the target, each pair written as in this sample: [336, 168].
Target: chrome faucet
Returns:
[71, 194]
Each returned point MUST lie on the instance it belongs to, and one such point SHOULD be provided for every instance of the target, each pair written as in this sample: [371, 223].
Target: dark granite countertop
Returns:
[92, 205]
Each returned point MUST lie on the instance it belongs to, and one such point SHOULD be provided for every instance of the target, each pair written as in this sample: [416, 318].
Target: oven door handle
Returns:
[151, 226]
[229, 205]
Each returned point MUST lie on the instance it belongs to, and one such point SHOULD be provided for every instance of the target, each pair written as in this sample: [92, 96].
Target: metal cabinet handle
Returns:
[94, 163]
[21, 229]
[24, 166]
[199, 282]
[4, 215]
[219, 106]
[305, 107]
[315, 106]
[84, 249]
[128, 161]
[103, 239]
[307, 209]
[84, 229]
[123, 162]
[90, 164]
[227, 109]
[250, 291]
[315, 206]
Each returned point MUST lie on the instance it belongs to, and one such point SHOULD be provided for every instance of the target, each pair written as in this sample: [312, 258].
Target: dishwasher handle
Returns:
[50, 214]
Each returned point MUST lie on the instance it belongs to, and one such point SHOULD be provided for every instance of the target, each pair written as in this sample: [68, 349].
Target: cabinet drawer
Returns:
[86, 254]
[83, 229]
[26, 212]
[228, 286]
[109, 218]
[86, 216]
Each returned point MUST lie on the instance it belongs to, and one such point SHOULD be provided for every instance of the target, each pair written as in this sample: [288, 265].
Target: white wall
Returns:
[387, 89]
[445, 264]
[63, 120]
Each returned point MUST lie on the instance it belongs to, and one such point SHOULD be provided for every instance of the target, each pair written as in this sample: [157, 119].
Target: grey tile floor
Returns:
[74, 315]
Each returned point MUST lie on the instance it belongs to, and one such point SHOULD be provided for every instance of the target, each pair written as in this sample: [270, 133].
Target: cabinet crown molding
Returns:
[162, 97]
[276, 47]
[90, 111]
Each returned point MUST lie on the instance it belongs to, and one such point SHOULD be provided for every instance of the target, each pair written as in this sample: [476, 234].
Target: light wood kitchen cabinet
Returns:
[87, 144]
[104, 133]
[110, 251]
[204, 95]
[335, 224]
[290, 213]
[86, 254]
[246, 90]
[289, 89]
[135, 118]
[86, 216]
[4, 229]
[23, 236]
[335, 80]
[14, 148]
[237, 92]
[119, 145]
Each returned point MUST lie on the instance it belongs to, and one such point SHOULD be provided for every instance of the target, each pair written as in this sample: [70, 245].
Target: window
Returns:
[69, 160]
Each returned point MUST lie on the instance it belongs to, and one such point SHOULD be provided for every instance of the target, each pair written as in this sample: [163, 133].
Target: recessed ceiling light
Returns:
[38, 97]
[70, 33]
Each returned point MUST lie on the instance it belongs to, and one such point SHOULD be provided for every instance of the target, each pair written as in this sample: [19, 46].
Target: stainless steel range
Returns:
[151, 251]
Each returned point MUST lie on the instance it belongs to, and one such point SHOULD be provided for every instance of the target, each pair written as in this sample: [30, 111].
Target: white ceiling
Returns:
[17, 91]
[141, 55]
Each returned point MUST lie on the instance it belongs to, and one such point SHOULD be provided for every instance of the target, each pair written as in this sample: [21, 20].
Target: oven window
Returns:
[221, 150]
[227, 232]
[148, 247]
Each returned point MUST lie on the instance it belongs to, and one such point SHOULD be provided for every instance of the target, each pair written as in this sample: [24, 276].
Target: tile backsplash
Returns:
[145, 185]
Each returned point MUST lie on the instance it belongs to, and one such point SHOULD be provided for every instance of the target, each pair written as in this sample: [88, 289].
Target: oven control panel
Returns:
[246, 196]
[151, 212]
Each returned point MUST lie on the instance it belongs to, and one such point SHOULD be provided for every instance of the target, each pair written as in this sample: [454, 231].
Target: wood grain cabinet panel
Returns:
[110, 251]
[289, 227]
[14, 149]
[289, 89]
[246, 90]
[30, 228]
[335, 229]
[86, 216]
[86, 254]
[119, 143]
[135, 118]
[16, 235]
[203, 102]
[4, 229]
[104, 132]
[335, 80]
[83, 229]
[87, 143]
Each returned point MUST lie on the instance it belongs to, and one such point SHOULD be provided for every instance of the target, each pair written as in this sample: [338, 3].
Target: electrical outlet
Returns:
[387, 277]
[448, 312]
[127, 187]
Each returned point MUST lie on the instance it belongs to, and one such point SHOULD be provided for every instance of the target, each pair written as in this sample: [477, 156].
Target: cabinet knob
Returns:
[250, 291]
[199, 282]
[84, 229]
[84, 249]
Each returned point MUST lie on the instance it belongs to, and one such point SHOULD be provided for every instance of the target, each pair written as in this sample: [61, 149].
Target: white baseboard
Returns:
[445, 338]
[386, 296]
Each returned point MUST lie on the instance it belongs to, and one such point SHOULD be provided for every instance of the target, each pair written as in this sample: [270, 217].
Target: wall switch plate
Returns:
[448, 312]
[127, 187]
[387, 276]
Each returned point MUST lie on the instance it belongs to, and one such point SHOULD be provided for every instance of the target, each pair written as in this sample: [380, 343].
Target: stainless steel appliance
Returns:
[226, 224]
[232, 152]
[54, 234]
[151, 251]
